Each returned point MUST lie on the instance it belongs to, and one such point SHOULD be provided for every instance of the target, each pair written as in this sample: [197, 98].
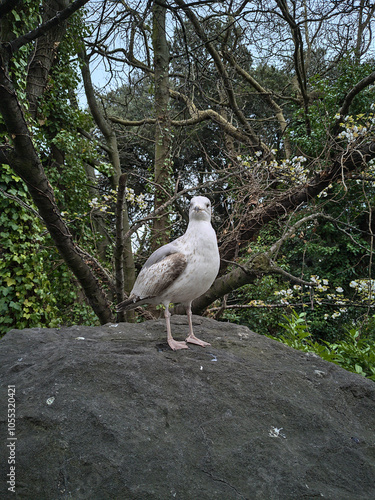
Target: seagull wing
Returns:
[160, 254]
[162, 268]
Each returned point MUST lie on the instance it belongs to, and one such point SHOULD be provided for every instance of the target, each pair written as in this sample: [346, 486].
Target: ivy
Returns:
[26, 298]
[33, 278]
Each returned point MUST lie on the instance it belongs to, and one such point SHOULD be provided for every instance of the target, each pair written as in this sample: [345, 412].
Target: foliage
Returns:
[26, 293]
[354, 353]
[25, 17]
[36, 287]
[296, 330]
[260, 315]
[71, 303]
[328, 92]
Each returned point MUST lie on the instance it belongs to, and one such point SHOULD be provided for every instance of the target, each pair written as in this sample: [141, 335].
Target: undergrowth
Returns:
[355, 353]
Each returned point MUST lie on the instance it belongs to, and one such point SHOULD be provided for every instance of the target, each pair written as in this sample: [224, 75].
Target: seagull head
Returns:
[200, 208]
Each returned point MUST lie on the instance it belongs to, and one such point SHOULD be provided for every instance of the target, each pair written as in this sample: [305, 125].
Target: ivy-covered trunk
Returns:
[44, 55]
[24, 160]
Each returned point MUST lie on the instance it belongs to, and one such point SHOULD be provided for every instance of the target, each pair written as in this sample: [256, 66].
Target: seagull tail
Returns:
[131, 303]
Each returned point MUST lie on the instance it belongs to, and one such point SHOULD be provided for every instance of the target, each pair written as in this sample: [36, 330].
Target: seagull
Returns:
[180, 271]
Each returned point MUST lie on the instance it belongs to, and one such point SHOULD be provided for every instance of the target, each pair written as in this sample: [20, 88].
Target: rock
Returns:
[111, 413]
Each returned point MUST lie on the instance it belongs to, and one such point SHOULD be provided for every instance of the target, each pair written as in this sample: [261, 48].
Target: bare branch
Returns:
[286, 202]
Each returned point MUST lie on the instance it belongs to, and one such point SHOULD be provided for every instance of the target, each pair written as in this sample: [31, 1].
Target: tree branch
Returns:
[20, 202]
[343, 111]
[284, 203]
[16, 44]
[267, 97]
[253, 137]
[196, 116]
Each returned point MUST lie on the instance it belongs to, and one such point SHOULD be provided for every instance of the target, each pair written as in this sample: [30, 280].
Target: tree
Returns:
[263, 105]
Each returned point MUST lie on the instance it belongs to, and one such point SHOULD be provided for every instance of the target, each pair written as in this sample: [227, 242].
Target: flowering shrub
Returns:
[289, 170]
[322, 293]
[357, 127]
[104, 204]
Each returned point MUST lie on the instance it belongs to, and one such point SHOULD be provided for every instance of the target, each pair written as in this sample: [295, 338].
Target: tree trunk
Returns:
[128, 268]
[162, 127]
[98, 218]
[44, 55]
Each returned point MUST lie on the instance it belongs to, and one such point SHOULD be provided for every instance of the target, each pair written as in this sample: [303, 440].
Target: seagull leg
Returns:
[173, 344]
[192, 338]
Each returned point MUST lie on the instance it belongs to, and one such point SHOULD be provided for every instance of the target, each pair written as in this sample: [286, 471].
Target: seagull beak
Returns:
[197, 209]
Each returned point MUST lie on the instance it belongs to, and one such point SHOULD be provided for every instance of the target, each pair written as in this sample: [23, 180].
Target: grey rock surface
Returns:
[112, 413]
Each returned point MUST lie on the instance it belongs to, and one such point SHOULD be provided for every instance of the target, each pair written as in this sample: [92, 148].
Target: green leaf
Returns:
[16, 15]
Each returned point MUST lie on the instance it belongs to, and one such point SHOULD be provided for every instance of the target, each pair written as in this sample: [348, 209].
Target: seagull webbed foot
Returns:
[175, 345]
[192, 339]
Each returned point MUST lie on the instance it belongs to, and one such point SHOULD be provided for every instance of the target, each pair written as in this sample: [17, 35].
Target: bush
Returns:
[354, 353]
